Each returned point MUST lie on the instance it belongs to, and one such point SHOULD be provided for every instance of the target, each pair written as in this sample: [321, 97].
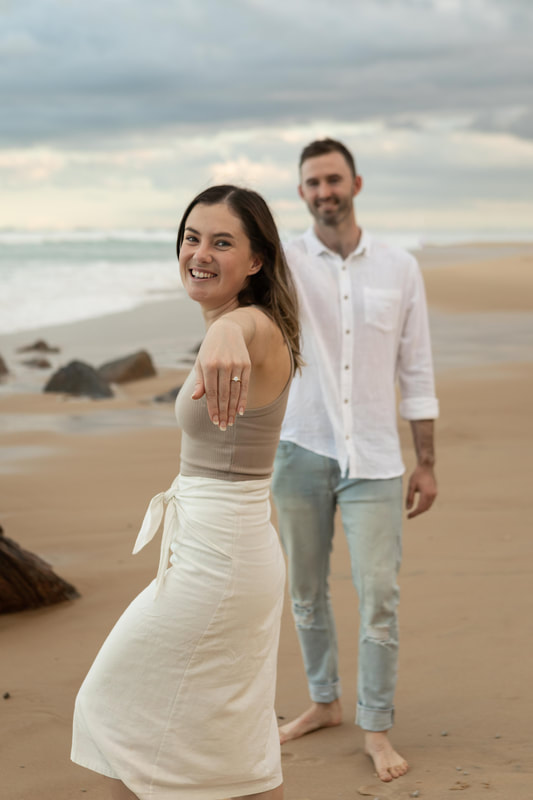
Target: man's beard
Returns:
[334, 214]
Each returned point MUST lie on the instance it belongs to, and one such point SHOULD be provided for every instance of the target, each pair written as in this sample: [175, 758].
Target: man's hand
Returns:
[422, 486]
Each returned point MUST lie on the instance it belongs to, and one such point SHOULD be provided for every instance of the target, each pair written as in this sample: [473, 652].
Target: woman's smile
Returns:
[201, 274]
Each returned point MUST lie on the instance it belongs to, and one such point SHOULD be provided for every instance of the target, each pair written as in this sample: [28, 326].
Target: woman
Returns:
[179, 703]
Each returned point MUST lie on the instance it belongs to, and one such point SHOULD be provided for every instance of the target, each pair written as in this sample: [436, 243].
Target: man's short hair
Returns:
[320, 147]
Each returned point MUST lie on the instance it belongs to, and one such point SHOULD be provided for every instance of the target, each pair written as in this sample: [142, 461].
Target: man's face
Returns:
[328, 187]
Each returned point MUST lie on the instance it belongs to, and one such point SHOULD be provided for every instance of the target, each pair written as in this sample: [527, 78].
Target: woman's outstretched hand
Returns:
[223, 370]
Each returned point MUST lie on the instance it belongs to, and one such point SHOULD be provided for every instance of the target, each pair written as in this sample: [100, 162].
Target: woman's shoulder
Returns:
[268, 325]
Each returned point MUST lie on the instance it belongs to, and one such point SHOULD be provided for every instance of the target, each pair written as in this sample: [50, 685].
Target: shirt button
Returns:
[346, 400]
[347, 436]
[347, 331]
[346, 366]
[345, 296]
[344, 266]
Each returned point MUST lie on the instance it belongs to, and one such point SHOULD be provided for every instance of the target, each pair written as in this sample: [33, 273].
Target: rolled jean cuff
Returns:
[374, 719]
[325, 692]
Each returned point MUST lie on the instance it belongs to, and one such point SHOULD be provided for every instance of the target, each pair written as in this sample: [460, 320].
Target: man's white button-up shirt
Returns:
[364, 326]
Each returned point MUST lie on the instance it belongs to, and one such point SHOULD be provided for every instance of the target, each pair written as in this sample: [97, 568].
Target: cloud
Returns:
[423, 171]
[116, 112]
[73, 72]
[246, 172]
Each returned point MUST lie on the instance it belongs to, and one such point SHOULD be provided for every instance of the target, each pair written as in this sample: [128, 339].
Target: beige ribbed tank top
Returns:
[244, 452]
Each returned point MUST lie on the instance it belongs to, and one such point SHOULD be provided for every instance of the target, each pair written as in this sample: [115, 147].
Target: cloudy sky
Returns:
[115, 112]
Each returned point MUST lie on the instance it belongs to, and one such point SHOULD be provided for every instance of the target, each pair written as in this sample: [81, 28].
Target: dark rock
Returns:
[168, 397]
[38, 363]
[78, 379]
[26, 581]
[6, 695]
[130, 368]
[3, 368]
[40, 345]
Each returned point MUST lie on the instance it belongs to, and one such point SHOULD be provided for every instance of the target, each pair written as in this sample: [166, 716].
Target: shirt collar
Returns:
[318, 248]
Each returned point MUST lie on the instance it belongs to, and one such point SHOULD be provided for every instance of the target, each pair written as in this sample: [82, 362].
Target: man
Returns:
[364, 325]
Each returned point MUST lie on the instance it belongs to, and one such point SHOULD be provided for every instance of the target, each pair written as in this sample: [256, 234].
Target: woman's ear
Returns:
[255, 266]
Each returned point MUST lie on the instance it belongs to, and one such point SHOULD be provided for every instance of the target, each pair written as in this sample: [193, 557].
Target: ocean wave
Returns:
[26, 238]
[38, 292]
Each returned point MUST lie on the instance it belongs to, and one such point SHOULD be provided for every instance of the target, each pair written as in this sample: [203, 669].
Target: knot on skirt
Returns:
[163, 504]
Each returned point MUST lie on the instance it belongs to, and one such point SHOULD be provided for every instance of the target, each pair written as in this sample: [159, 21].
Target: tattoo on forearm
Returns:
[423, 438]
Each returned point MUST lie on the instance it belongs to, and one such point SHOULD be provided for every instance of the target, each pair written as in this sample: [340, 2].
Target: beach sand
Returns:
[77, 476]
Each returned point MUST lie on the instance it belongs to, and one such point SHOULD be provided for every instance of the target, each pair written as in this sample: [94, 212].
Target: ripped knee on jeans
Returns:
[378, 633]
[304, 614]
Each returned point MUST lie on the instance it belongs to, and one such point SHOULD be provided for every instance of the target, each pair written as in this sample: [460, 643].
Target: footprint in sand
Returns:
[383, 791]
[286, 757]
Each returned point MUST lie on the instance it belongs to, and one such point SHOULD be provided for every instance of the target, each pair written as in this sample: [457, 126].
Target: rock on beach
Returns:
[40, 345]
[78, 379]
[130, 368]
[37, 363]
[3, 368]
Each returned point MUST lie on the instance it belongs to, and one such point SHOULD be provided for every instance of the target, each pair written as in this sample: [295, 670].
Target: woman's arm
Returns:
[234, 344]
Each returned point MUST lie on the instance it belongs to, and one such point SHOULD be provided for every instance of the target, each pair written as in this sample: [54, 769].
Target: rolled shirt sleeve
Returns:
[415, 364]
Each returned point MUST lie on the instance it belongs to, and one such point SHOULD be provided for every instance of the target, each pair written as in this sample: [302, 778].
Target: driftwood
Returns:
[26, 581]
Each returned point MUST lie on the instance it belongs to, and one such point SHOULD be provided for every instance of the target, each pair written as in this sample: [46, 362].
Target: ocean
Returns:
[50, 278]
[53, 278]
[77, 278]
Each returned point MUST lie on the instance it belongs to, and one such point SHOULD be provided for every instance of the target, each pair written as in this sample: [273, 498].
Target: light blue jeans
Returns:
[307, 489]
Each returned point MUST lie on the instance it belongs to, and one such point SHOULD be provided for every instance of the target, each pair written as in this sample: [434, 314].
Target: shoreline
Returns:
[168, 329]
[475, 302]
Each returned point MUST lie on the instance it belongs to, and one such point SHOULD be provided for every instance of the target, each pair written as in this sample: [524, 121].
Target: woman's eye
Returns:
[190, 238]
[222, 243]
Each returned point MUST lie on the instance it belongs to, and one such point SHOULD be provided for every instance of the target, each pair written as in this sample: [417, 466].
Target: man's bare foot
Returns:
[320, 715]
[387, 762]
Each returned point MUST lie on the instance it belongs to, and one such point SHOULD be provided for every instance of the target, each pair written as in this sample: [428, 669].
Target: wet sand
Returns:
[77, 476]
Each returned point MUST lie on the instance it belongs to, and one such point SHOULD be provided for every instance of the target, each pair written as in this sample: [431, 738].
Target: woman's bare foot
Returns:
[387, 762]
[320, 715]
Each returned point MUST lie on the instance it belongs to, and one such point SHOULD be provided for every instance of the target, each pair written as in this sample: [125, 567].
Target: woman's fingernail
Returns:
[241, 411]
[222, 426]
[215, 420]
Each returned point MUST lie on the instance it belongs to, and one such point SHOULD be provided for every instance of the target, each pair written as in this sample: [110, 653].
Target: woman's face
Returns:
[215, 258]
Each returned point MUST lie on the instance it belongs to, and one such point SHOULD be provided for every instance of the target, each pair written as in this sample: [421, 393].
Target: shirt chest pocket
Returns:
[382, 307]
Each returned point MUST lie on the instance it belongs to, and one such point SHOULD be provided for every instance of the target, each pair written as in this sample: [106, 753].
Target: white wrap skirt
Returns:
[179, 703]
